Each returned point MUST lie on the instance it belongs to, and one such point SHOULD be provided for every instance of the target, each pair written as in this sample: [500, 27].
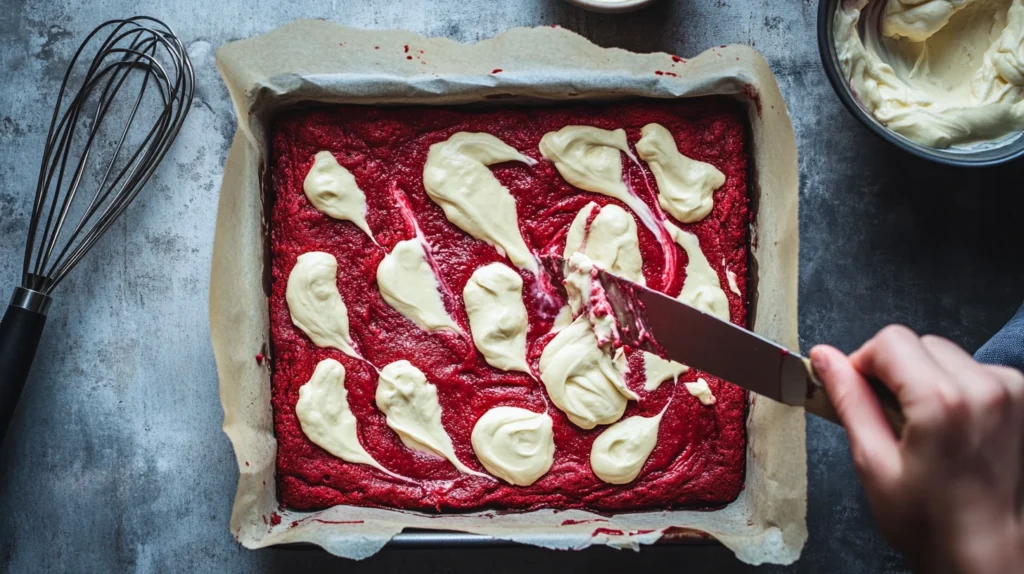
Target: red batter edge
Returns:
[700, 455]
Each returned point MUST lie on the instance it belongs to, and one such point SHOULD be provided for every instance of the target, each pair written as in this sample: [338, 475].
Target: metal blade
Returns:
[654, 321]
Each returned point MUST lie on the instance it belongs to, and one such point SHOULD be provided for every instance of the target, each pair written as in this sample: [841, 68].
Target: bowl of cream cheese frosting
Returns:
[942, 79]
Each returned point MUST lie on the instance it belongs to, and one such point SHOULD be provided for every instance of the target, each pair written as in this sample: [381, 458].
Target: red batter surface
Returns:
[699, 457]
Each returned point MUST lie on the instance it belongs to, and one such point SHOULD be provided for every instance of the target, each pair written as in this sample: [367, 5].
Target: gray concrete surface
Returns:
[116, 461]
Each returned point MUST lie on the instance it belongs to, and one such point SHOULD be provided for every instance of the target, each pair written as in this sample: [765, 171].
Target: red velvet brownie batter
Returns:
[698, 460]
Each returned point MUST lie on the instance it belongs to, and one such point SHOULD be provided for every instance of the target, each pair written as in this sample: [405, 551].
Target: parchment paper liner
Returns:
[321, 61]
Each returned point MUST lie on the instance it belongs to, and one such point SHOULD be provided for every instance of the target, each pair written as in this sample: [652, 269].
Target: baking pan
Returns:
[316, 61]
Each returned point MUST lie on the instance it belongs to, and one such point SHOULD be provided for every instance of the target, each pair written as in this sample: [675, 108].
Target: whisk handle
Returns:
[20, 331]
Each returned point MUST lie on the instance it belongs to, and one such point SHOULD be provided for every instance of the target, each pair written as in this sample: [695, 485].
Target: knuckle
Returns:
[895, 332]
[951, 403]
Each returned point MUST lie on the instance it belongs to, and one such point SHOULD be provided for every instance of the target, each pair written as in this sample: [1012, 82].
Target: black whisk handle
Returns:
[20, 331]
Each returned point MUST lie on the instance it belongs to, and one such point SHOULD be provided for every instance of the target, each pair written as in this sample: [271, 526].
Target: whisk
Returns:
[123, 100]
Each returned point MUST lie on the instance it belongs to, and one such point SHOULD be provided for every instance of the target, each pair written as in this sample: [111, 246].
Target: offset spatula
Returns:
[660, 324]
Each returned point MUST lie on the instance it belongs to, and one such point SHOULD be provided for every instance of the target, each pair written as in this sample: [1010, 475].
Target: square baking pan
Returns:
[320, 62]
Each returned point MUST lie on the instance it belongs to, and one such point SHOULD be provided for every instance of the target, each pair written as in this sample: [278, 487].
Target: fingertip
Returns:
[819, 358]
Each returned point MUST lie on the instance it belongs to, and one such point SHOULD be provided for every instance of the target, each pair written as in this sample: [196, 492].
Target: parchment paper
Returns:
[321, 61]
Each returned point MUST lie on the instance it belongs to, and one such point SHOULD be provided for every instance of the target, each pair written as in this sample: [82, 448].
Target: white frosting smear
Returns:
[325, 417]
[702, 288]
[514, 444]
[610, 240]
[658, 370]
[333, 191]
[497, 316]
[314, 303]
[583, 380]
[620, 452]
[408, 284]
[456, 177]
[685, 186]
[702, 391]
[731, 279]
[410, 404]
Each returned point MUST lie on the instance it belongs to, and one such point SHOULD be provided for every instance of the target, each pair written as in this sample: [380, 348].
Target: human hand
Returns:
[949, 492]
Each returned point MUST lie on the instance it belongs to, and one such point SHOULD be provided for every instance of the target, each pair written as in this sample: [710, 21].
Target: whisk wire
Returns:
[140, 46]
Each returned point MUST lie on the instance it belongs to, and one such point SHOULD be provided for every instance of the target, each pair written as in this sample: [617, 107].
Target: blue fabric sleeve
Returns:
[1007, 346]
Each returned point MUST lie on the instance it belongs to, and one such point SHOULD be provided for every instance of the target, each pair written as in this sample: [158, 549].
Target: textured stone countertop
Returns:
[116, 461]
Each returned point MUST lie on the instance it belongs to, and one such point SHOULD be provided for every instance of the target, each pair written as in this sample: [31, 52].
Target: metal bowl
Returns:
[978, 156]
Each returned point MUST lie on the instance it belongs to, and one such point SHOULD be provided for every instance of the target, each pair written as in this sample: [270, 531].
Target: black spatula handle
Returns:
[20, 331]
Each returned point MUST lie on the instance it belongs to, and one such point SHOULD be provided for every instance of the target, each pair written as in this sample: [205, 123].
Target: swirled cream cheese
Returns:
[685, 185]
[620, 452]
[457, 178]
[497, 316]
[410, 404]
[589, 158]
[315, 304]
[939, 72]
[702, 391]
[408, 284]
[514, 444]
[658, 370]
[325, 417]
[581, 285]
[583, 380]
[608, 236]
[333, 191]
[702, 288]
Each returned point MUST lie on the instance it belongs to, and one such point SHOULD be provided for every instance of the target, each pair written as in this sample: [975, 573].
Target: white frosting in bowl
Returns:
[941, 72]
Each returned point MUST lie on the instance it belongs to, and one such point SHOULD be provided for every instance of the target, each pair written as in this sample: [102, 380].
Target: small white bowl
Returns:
[610, 6]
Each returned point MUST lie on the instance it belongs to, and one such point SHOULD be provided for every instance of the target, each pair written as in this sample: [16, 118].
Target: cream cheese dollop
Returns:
[583, 380]
[497, 316]
[315, 304]
[685, 185]
[456, 177]
[702, 288]
[410, 404]
[658, 370]
[325, 417]
[619, 453]
[941, 72]
[409, 285]
[610, 240]
[333, 191]
[701, 390]
[588, 158]
[514, 444]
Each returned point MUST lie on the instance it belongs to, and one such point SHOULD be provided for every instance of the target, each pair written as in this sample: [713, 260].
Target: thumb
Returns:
[873, 444]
